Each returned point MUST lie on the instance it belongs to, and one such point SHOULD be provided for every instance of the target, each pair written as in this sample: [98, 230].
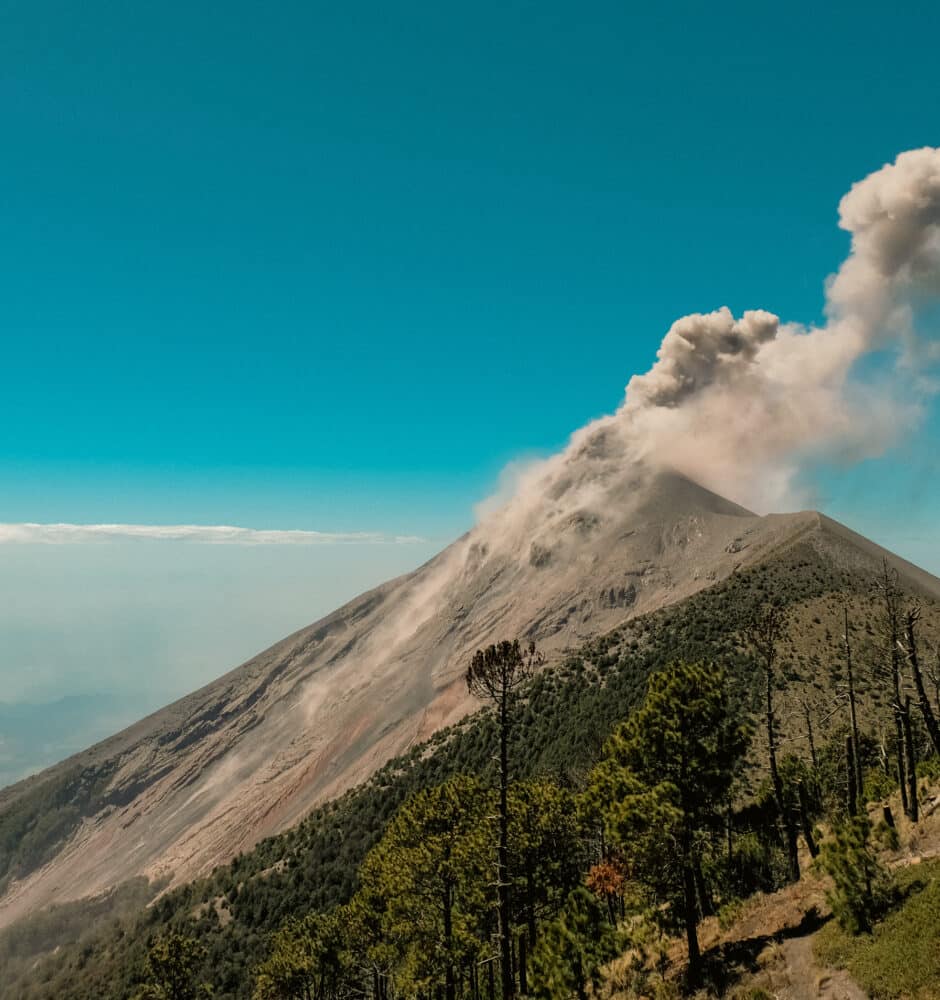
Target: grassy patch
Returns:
[902, 957]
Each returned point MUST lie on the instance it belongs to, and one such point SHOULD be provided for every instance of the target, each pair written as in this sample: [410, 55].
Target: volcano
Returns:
[247, 756]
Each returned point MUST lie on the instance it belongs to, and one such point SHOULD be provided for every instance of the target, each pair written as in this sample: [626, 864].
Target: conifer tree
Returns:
[573, 949]
[544, 851]
[496, 674]
[307, 961]
[664, 782]
[766, 630]
[860, 882]
[172, 966]
[428, 875]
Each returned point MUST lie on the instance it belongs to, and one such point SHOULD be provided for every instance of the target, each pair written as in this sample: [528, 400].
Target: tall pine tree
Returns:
[664, 781]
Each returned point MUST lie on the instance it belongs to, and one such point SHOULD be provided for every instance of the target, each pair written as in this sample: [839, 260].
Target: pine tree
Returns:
[664, 782]
[497, 674]
[544, 851]
[573, 949]
[860, 883]
[766, 630]
[172, 966]
[428, 877]
[307, 961]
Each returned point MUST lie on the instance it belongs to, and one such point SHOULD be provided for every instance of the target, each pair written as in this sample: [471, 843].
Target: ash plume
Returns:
[741, 405]
[746, 405]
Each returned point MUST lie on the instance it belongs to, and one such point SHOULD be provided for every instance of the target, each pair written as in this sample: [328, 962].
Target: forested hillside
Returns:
[268, 924]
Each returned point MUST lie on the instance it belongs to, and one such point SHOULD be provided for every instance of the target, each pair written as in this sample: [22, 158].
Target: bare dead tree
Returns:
[890, 628]
[853, 715]
[851, 777]
[930, 720]
[808, 719]
[933, 673]
[805, 821]
[496, 674]
[765, 630]
[910, 754]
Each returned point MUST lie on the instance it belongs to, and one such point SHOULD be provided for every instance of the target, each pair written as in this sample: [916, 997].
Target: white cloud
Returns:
[213, 534]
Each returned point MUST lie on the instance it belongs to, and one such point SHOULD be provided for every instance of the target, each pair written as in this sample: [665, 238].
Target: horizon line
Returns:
[63, 533]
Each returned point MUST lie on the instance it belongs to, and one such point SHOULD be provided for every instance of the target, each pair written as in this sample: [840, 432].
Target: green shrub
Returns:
[886, 837]
[572, 949]
[878, 786]
[861, 885]
[929, 769]
[729, 913]
[901, 958]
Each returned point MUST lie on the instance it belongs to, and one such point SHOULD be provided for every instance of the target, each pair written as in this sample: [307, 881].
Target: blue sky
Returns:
[331, 266]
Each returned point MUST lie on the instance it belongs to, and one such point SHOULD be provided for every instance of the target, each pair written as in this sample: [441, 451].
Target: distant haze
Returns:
[97, 635]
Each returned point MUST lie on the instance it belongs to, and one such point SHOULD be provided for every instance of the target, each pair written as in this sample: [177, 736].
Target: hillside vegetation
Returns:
[901, 957]
[270, 909]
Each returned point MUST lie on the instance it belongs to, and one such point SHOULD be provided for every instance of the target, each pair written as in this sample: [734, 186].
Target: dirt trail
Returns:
[807, 981]
[773, 945]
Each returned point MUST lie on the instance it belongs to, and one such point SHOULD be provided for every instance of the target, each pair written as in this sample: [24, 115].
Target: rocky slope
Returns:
[246, 756]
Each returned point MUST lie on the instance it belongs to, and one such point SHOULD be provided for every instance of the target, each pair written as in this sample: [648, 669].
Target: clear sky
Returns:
[331, 266]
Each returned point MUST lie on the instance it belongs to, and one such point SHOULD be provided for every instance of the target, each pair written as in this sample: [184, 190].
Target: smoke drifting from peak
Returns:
[745, 406]
[699, 351]
[894, 218]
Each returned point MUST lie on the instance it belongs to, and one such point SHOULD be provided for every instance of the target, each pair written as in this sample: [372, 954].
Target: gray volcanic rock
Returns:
[248, 755]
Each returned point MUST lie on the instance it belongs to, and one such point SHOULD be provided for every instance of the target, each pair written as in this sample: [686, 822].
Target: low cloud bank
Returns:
[69, 534]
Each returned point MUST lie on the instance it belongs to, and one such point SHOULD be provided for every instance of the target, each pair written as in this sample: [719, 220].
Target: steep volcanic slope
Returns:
[246, 756]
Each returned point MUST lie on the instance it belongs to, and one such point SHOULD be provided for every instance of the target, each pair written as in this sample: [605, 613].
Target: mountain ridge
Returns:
[247, 755]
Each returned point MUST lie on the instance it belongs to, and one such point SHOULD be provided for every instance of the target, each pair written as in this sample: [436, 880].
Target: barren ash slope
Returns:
[621, 522]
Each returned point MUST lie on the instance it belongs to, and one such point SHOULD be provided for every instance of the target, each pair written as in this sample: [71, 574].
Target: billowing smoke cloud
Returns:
[743, 406]
[747, 405]
[894, 218]
[700, 351]
[213, 534]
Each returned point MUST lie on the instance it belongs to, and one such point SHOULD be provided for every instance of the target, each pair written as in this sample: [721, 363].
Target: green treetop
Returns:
[664, 781]
[307, 961]
[429, 876]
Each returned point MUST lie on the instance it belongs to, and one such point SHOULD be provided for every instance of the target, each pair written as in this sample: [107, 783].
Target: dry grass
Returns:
[775, 948]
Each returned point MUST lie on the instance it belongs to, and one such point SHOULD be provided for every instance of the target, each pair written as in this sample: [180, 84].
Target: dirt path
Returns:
[807, 981]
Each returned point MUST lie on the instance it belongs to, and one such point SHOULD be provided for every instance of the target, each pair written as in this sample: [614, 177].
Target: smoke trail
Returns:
[740, 405]
[745, 405]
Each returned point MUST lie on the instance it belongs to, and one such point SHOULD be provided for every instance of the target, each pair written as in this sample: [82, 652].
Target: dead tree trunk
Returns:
[850, 774]
[930, 720]
[523, 961]
[935, 679]
[807, 715]
[891, 636]
[789, 830]
[853, 717]
[806, 822]
[910, 753]
[765, 631]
